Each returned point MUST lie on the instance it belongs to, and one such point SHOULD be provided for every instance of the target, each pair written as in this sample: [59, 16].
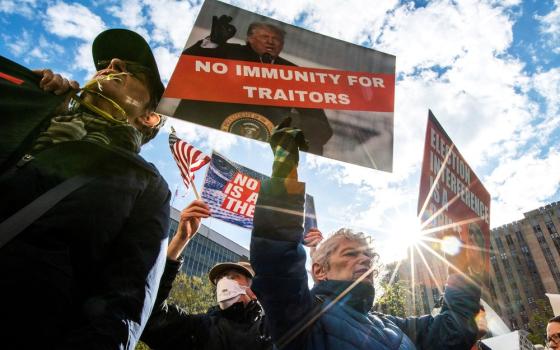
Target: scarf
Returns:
[87, 127]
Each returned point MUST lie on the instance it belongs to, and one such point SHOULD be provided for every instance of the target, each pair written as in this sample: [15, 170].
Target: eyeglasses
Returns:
[553, 340]
[133, 68]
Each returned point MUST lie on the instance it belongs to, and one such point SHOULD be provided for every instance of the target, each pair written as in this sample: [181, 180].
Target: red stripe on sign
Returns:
[10, 78]
[221, 80]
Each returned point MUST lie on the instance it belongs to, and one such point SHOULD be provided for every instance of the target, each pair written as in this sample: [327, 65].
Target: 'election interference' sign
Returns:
[244, 73]
[452, 198]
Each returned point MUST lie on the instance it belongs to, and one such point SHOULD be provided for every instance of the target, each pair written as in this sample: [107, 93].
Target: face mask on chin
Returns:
[228, 292]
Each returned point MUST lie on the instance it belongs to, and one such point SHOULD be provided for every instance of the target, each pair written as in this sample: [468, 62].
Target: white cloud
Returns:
[550, 25]
[18, 45]
[454, 62]
[83, 60]
[73, 21]
[129, 12]
[166, 61]
[26, 8]
[439, 33]
[45, 50]
[547, 84]
[204, 138]
[172, 21]
[522, 184]
[33, 52]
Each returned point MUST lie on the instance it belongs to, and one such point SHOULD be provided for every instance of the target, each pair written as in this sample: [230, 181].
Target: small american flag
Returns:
[188, 158]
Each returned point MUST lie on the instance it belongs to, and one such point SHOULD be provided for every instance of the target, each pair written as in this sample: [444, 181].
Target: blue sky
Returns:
[489, 70]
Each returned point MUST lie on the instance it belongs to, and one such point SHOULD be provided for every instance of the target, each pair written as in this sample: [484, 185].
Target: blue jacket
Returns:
[300, 318]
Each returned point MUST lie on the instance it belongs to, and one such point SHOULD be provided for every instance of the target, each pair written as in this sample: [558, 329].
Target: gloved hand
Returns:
[286, 142]
[222, 30]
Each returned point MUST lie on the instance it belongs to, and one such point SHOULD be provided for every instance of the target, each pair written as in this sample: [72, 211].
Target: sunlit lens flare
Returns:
[405, 233]
[408, 232]
[450, 245]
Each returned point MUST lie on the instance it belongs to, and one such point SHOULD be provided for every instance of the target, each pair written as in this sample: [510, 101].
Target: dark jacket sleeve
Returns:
[169, 326]
[172, 268]
[118, 308]
[278, 257]
[454, 328]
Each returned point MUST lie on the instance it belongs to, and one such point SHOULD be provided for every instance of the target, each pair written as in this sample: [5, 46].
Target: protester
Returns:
[553, 333]
[237, 322]
[84, 275]
[335, 314]
[264, 44]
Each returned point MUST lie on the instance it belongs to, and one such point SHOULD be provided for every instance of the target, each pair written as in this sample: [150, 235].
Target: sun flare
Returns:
[405, 233]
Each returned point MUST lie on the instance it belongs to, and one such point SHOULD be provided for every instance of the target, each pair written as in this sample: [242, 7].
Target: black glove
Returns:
[221, 31]
[286, 143]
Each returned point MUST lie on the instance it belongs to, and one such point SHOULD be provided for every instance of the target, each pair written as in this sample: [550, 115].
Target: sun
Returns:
[405, 232]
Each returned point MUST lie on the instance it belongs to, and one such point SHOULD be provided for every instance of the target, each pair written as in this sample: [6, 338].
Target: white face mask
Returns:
[228, 292]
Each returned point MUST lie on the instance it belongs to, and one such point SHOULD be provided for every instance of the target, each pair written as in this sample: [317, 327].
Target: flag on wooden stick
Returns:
[189, 159]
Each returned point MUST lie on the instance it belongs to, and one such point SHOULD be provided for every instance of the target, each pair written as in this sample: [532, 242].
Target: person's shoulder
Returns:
[130, 158]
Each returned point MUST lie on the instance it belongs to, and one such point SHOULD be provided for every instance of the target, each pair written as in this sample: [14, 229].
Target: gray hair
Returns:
[256, 25]
[324, 251]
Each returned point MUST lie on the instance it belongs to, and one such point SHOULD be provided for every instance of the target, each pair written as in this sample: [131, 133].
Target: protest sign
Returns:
[251, 72]
[231, 191]
[452, 198]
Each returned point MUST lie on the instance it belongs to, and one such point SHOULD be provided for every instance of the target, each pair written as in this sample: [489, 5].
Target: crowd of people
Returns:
[85, 260]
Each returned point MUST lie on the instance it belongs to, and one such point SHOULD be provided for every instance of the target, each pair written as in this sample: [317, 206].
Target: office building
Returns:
[525, 262]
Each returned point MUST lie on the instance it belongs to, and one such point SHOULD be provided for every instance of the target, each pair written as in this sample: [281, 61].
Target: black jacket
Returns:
[85, 274]
[170, 327]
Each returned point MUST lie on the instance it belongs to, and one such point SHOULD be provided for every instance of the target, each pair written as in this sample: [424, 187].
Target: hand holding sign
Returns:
[189, 223]
[55, 82]
[313, 238]
[286, 143]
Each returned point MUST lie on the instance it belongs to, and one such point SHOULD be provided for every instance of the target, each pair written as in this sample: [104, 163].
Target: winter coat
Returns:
[300, 318]
[170, 327]
[85, 274]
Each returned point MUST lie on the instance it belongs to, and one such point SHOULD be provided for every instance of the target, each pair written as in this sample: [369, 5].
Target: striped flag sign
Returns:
[189, 159]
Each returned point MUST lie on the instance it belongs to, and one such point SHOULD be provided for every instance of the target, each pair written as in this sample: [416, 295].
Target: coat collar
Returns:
[360, 298]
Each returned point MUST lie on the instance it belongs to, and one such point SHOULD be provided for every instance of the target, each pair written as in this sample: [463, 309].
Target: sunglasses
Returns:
[553, 340]
[131, 67]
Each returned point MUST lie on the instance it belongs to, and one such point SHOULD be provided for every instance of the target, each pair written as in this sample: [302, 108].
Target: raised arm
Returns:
[277, 253]
[169, 326]
[454, 328]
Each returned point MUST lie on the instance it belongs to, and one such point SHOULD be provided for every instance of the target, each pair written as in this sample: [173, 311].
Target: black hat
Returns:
[126, 45]
[242, 266]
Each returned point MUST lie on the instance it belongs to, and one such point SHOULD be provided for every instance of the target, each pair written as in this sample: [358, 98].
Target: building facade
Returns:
[206, 248]
[524, 264]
